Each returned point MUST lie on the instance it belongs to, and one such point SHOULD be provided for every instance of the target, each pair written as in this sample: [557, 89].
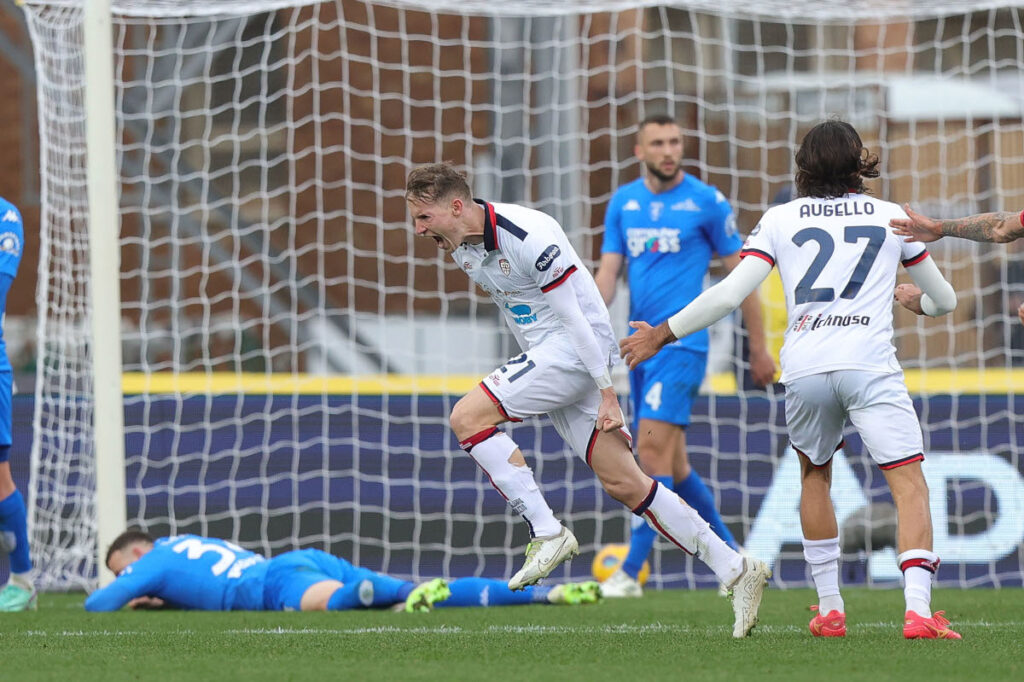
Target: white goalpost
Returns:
[240, 336]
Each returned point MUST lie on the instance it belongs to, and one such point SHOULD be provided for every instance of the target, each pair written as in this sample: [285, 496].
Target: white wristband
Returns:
[604, 381]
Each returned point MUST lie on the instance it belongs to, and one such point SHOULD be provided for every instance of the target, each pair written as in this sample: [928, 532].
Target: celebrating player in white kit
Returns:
[838, 261]
[523, 259]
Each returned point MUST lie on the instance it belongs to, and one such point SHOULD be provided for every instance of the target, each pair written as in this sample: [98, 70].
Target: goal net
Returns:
[291, 351]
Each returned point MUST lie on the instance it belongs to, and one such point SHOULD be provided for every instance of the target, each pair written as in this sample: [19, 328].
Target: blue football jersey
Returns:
[668, 240]
[12, 238]
[12, 241]
[189, 572]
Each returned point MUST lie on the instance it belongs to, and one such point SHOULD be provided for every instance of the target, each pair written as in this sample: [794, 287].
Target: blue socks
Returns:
[642, 539]
[489, 592]
[386, 591]
[698, 496]
[14, 526]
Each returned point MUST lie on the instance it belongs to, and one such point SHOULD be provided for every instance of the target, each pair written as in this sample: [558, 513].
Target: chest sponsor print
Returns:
[521, 313]
[652, 240]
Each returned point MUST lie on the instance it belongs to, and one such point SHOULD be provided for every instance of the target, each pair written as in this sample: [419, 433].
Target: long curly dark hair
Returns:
[832, 161]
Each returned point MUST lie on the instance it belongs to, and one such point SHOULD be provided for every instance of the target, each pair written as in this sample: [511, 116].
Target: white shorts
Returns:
[550, 379]
[877, 404]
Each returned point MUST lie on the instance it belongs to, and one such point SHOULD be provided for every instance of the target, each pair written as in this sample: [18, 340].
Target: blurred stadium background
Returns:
[290, 351]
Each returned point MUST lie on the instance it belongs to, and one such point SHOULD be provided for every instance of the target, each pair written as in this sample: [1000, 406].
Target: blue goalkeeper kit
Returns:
[206, 574]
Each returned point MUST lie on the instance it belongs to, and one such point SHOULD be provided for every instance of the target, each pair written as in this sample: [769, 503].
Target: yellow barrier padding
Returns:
[992, 381]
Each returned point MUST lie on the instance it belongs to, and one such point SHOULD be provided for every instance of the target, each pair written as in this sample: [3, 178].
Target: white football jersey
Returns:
[525, 253]
[837, 259]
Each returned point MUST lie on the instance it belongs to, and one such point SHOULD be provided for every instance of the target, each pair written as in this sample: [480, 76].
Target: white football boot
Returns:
[620, 585]
[542, 556]
[747, 591]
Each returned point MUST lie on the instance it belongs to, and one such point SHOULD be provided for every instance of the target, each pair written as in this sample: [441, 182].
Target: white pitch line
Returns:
[622, 629]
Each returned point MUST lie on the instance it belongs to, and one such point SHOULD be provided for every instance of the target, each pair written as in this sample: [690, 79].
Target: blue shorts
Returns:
[663, 388]
[289, 575]
[5, 416]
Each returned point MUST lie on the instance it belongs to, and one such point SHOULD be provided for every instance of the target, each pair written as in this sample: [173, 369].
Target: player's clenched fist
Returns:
[644, 342]
[909, 296]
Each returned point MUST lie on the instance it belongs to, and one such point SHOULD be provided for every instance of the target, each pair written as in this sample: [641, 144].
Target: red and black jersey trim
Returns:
[558, 281]
[642, 507]
[758, 253]
[490, 225]
[593, 441]
[478, 438]
[1021, 218]
[492, 221]
[510, 227]
[919, 457]
[497, 403]
[914, 260]
[930, 566]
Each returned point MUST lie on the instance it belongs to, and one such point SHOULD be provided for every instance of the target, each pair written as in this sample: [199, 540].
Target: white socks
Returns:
[823, 558]
[918, 566]
[680, 523]
[491, 449]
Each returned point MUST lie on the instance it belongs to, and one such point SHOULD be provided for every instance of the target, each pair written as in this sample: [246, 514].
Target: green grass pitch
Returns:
[676, 635]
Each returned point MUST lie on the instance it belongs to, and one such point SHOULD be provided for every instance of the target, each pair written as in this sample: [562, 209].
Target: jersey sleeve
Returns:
[12, 238]
[134, 581]
[911, 253]
[613, 241]
[759, 244]
[720, 225]
[546, 256]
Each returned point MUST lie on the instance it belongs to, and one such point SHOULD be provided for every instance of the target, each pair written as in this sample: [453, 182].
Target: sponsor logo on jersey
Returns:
[730, 225]
[841, 210]
[366, 593]
[656, 208]
[652, 240]
[686, 205]
[808, 323]
[499, 292]
[10, 243]
[631, 205]
[506, 268]
[545, 259]
[521, 313]
[495, 378]
[11, 216]
[467, 266]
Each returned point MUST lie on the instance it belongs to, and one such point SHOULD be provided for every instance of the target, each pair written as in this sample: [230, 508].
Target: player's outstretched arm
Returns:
[1000, 227]
[115, 595]
[932, 295]
[706, 309]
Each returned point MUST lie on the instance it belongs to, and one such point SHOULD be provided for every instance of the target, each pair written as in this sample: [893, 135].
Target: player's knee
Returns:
[628, 490]
[655, 459]
[463, 421]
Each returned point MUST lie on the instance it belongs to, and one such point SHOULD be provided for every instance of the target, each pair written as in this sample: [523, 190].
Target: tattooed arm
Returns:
[984, 227]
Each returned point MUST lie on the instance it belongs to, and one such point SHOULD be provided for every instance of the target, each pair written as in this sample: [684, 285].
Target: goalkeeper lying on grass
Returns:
[193, 572]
